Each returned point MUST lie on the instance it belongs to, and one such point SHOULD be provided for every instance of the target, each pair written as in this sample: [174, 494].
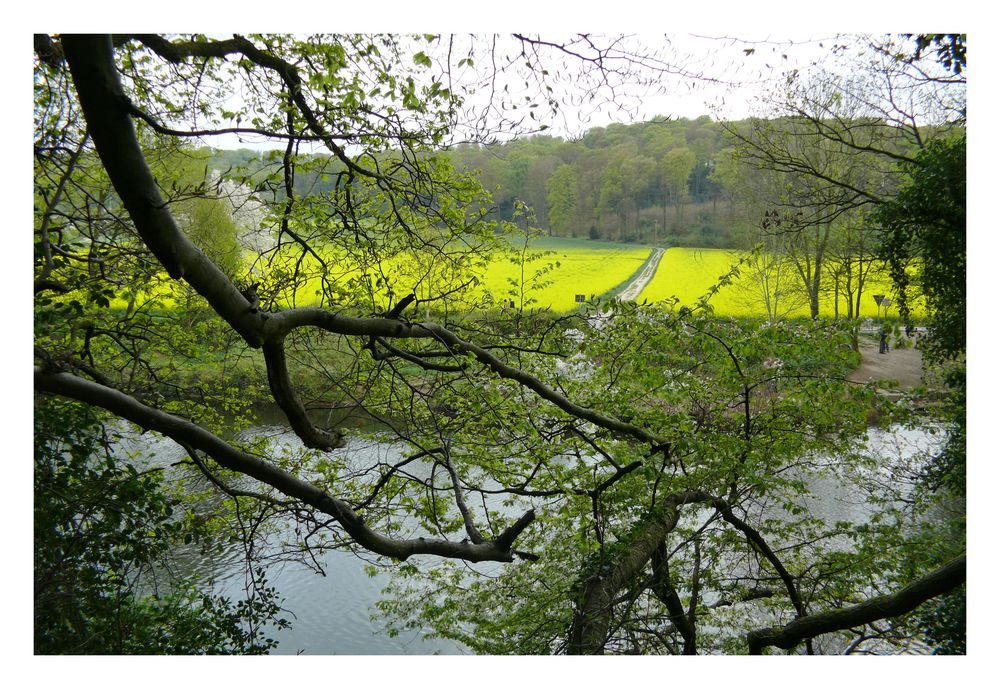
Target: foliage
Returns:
[687, 379]
[102, 533]
[830, 146]
[949, 48]
[943, 623]
[561, 188]
[650, 478]
[210, 226]
[924, 226]
[610, 184]
[572, 186]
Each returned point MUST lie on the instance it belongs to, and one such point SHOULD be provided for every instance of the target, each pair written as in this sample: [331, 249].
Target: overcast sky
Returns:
[696, 74]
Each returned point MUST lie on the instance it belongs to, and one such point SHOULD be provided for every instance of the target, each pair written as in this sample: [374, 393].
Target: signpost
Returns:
[882, 301]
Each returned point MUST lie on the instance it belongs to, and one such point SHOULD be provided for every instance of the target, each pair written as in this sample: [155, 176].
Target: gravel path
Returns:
[905, 366]
[631, 292]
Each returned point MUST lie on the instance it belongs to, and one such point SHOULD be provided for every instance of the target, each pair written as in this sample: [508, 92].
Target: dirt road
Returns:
[631, 292]
[905, 366]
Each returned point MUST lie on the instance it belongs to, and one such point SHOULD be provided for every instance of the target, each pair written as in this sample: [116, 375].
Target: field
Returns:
[689, 274]
[562, 269]
[554, 271]
[548, 274]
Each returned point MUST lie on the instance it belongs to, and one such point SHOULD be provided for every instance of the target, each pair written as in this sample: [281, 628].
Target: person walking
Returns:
[883, 344]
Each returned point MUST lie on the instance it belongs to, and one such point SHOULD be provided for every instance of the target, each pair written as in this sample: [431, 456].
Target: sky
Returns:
[717, 74]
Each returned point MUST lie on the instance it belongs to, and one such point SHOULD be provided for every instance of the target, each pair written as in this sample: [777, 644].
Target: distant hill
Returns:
[653, 182]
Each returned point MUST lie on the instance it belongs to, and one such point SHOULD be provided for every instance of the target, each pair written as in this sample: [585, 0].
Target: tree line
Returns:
[651, 182]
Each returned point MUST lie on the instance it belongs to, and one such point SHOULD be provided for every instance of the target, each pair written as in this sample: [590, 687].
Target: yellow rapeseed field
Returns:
[549, 274]
[688, 274]
[565, 268]
[554, 271]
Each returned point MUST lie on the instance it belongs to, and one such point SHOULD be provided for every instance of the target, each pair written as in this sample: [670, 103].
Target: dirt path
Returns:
[631, 292]
[905, 366]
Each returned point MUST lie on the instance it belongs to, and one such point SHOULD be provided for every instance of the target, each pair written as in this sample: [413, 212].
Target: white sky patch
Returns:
[681, 76]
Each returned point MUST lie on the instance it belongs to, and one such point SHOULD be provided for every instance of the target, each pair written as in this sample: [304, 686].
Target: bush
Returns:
[100, 528]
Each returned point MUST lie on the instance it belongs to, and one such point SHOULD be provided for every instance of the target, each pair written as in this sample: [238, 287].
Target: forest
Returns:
[275, 359]
[655, 182]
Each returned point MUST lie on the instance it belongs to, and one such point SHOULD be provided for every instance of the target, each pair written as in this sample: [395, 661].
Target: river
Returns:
[334, 613]
[330, 613]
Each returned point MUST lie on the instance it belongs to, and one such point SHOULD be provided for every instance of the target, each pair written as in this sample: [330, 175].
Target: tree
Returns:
[652, 556]
[923, 241]
[210, 226]
[561, 187]
[838, 141]
[612, 194]
[770, 278]
[902, 120]
[806, 208]
[637, 174]
[924, 228]
[676, 166]
[726, 174]
[672, 463]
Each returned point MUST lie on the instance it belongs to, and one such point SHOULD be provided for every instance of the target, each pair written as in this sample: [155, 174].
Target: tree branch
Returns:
[192, 435]
[903, 601]
[664, 589]
[470, 526]
[592, 619]
[289, 74]
[107, 111]
[284, 394]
